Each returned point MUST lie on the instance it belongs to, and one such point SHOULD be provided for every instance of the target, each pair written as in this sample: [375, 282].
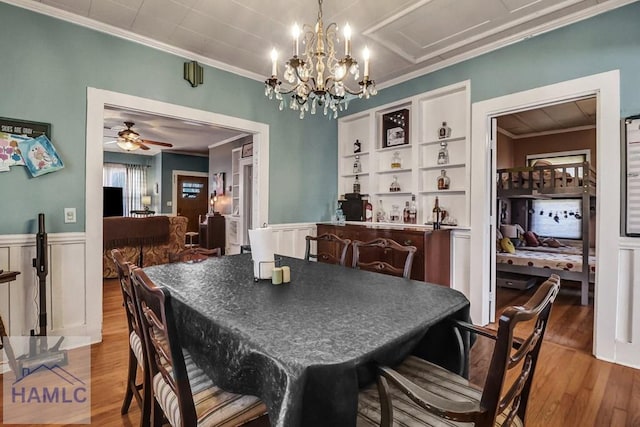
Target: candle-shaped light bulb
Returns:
[365, 54]
[295, 32]
[347, 40]
[274, 62]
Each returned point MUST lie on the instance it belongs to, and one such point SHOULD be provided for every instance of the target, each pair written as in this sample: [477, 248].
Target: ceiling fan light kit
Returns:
[193, 73]
[305, 74]
[129, 140]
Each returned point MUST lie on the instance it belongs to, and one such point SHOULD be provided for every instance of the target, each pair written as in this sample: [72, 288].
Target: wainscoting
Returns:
[627, 332]
[289, 238]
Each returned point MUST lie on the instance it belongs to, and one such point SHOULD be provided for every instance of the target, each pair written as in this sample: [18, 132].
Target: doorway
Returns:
[606, 88]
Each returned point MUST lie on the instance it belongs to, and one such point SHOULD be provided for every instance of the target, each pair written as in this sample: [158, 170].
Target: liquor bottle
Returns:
[396, 162]
[395, 185]
[381, 215]
[444, 131]
[356, 185]
[339, 214]
[436, 214]
[395, 215]
[357, 166]
[405, 213]
[413, 211]
[443, 154]
[368, 211]
[357, 147]
[443, 180]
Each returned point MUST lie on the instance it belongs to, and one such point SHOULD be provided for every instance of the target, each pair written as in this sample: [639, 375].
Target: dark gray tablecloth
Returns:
[306, 347]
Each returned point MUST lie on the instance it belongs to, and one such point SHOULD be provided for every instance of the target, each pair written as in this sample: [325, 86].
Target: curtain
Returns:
[132, 179]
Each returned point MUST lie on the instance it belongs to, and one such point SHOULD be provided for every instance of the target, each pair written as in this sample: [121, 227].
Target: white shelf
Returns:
[447, 166]
[363, 153]
[351, 175]
[447, 140]
[390, 171]
[394, 193]
[394, 148]
[450, 191]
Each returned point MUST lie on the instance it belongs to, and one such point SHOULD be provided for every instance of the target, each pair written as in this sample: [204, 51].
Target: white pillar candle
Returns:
[276, 276]
[274, 62]
[286, 274]
[365, 54]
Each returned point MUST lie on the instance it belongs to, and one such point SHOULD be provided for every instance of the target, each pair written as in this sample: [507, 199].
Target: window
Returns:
[557, 218]
[132, 179]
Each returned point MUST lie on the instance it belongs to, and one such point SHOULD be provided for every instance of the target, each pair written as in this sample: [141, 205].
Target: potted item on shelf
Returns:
[443, 154]
[396, 161]
[395, 215]
[443, 180]
[395, 185]
[444, 131]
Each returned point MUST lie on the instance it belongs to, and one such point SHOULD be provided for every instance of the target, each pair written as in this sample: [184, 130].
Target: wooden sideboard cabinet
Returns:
[432, 261]
[212, 234]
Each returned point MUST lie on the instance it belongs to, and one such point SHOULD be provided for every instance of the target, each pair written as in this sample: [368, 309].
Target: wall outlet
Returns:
[169, 204]
[69, 215]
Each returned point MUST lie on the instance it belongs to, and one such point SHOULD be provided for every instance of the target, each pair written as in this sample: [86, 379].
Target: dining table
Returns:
[307, 347]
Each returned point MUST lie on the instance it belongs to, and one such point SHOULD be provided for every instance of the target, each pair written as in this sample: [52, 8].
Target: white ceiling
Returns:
[407, 38]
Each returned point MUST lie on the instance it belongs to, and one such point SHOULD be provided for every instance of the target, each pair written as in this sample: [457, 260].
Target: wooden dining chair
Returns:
[183, 393]
[381, 255]
[6, 345]
[136, 387]
[335, 242]
[194, 254]
[424, 394]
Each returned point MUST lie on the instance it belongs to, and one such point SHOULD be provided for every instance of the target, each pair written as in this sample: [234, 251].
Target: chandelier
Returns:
[316, 79]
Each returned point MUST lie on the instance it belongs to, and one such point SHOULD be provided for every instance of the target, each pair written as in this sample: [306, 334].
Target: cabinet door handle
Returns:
[408, 242]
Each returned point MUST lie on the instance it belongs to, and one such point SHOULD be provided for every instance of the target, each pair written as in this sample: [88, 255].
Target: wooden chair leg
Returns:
[131, 382]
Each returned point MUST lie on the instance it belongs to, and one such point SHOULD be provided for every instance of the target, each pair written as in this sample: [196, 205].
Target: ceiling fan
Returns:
[129, 140]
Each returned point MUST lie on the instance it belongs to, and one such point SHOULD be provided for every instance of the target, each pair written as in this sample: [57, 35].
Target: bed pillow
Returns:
[531, 239]
[507, 245]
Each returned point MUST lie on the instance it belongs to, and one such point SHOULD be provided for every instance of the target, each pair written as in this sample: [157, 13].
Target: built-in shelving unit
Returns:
[419, 169]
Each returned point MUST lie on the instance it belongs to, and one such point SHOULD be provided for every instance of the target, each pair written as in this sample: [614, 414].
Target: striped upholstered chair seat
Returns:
[407, 413]
[183, 393]
[214, 406]
[418, 393]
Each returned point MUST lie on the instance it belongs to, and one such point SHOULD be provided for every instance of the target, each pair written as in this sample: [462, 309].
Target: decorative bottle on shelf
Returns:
[339, 214]
[443, 180]
[396, 161]
[357, 166]
[413, 211]
[436, 215]
[356, 185]
[443, 154]
[395, 185]
[368, 211]
[357, 146]
[395, 215]
[444, 131]
[381, 215]
[405, 213]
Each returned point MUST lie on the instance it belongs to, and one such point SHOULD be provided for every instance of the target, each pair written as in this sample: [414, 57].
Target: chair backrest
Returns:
[381, 255]
[162, 342]
[341, 246]
[4, 343]
[128, 297]
[513, 363]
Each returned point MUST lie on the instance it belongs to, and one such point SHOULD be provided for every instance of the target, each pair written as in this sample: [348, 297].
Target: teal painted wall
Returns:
[605, 42]
[47, 65]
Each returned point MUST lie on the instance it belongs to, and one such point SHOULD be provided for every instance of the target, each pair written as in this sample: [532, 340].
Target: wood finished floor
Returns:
[571, 387]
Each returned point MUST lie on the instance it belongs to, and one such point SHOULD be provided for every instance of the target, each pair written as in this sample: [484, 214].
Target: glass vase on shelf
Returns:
[413, 211]
[395, 215]
[396, 161]
[357, 166]
[444, 131]
[356, 185]
[443, 154]
[381, 215]
[395, 185]
[443, 180]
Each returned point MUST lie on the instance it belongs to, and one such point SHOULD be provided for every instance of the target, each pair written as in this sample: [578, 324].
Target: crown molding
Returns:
[228, 140]
[545, 133]
[92, 24]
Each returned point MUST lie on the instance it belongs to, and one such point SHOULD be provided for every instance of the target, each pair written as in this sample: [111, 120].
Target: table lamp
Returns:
[212, 201]
[146, 202]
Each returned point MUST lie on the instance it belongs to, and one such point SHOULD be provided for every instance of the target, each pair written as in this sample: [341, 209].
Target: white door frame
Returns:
[97, 99]
[174, 187]
[606, 87]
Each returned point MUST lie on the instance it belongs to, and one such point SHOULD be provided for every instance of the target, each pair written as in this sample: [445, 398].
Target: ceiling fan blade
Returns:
[144, 147]
[162, 144]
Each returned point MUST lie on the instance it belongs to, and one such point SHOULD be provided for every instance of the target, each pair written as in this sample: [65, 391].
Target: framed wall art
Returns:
[632, 152]
[395, 128]
[247, 150]
[218, 183]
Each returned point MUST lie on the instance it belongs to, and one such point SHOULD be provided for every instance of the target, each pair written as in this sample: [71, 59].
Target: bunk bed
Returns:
[565, 181]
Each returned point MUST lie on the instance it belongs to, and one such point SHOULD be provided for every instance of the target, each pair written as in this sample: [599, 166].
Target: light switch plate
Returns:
[69, 215]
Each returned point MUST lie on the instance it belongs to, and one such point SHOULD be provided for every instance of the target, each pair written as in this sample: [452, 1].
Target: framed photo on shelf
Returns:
[247, 150]
[395, 128]
[218, 183]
